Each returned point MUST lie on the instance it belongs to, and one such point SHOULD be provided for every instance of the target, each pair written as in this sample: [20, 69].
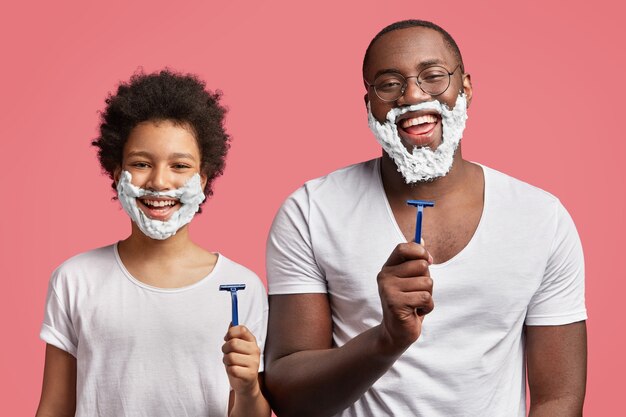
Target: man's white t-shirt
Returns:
[523, 266]
[146, 351]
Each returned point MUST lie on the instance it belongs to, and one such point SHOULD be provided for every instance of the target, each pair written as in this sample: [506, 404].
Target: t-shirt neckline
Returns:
[141, 284]
[392, 219]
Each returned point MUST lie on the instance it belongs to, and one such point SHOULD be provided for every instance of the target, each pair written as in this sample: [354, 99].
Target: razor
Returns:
[233, 288]
[420, 204]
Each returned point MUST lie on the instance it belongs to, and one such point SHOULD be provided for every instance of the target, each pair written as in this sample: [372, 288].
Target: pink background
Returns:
[548, 94]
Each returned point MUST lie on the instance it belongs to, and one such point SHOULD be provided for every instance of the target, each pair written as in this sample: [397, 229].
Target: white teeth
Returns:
[427, 118]
[159, 203]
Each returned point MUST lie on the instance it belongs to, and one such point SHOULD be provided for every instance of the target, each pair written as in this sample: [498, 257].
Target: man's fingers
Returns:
[420, 301]
[416, 284]
[407, 269]
[410, 301]
[406, 252]
[391, 285]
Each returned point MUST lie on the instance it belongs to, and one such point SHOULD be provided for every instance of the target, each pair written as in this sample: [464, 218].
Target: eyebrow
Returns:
[139, 153]
[182, 155]
[175, 155]
[423, 64]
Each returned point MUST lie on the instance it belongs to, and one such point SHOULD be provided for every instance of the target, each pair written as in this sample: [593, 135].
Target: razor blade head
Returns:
[423, 203]
[232, 287]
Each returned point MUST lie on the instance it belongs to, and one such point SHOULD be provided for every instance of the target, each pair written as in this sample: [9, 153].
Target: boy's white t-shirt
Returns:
[523, 266]
[146, 351]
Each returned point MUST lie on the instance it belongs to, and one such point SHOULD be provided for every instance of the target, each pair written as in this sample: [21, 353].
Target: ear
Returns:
[367, 91]
[467, 88]
[116, 174]
[203, 179]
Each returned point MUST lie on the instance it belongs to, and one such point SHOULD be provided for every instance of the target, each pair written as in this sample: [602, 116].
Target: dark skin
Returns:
[306, 375]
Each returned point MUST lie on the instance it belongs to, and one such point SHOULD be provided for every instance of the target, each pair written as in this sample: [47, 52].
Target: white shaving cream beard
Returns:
[422, 164]
[190, 195]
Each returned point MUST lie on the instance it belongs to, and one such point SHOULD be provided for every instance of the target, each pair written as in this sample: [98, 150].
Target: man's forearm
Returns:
[568, 406]
[324, 382]
[556, 358]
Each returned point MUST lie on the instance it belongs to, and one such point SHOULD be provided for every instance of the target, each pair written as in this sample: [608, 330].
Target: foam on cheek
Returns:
[422, 164]
[190, 195]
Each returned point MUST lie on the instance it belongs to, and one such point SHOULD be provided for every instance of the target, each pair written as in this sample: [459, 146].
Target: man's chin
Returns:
[422, 173]
[422, 181]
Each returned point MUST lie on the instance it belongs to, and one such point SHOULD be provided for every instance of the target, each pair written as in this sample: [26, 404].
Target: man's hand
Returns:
[405, 290]
[242, 358]
[303, 364]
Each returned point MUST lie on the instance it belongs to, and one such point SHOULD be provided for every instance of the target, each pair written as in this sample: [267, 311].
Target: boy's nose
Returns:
[158, 180]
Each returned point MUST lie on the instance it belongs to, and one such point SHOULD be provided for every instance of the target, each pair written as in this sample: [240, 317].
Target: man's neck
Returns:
[439, 188]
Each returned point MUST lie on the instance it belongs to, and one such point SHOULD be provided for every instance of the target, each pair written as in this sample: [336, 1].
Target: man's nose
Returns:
[413, 94]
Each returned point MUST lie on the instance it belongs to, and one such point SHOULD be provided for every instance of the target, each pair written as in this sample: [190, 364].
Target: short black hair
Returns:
[165, 95]
[404, 24]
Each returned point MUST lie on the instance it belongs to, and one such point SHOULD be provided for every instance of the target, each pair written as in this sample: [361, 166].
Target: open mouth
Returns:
[417, 128]
[158, 208]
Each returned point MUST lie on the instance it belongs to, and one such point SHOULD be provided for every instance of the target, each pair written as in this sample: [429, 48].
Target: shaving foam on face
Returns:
[422, 164]
[190, 195]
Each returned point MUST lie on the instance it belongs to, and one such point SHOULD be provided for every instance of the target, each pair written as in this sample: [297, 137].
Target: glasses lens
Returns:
[389, 87]
[434, 80]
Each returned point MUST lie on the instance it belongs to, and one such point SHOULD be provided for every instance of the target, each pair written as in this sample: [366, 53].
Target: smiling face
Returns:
[408, 52]
[159, 183]
[161, 156]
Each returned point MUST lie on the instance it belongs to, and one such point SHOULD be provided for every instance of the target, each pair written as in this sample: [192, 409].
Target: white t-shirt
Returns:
[146, 351]
[524, 265]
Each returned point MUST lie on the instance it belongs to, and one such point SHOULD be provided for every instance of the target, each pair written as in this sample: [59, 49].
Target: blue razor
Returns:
[233, 288]
[420, 204]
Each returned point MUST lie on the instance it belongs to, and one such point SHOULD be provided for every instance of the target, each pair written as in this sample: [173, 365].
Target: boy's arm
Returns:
[58, 395]
[242, 360]
[249, 405]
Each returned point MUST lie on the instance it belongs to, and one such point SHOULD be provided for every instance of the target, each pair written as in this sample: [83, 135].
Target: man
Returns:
[365, 322]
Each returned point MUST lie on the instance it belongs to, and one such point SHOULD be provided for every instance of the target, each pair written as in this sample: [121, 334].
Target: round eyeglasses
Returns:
[434, 81]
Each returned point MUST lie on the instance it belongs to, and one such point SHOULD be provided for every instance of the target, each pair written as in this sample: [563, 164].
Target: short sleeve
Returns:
[290, 259]
[57, 328]
[560, 298]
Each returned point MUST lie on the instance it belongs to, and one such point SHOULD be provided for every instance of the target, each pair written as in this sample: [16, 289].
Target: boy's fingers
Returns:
[240, 332]
[241, 359]
[241, 346]
[241, 372]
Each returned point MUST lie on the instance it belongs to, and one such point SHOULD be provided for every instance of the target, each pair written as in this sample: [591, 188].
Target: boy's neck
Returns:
[170, 263]
[173, 247]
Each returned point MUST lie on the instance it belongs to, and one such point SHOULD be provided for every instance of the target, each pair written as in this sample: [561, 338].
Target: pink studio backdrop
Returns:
[548, 89]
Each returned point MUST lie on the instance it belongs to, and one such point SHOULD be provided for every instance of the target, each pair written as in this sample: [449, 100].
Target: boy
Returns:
[134, 329]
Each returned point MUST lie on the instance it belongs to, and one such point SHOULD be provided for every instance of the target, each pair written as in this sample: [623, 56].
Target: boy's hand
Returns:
[242, 357]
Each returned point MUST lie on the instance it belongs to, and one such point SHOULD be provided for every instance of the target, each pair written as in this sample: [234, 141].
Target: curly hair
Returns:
[166, 95]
